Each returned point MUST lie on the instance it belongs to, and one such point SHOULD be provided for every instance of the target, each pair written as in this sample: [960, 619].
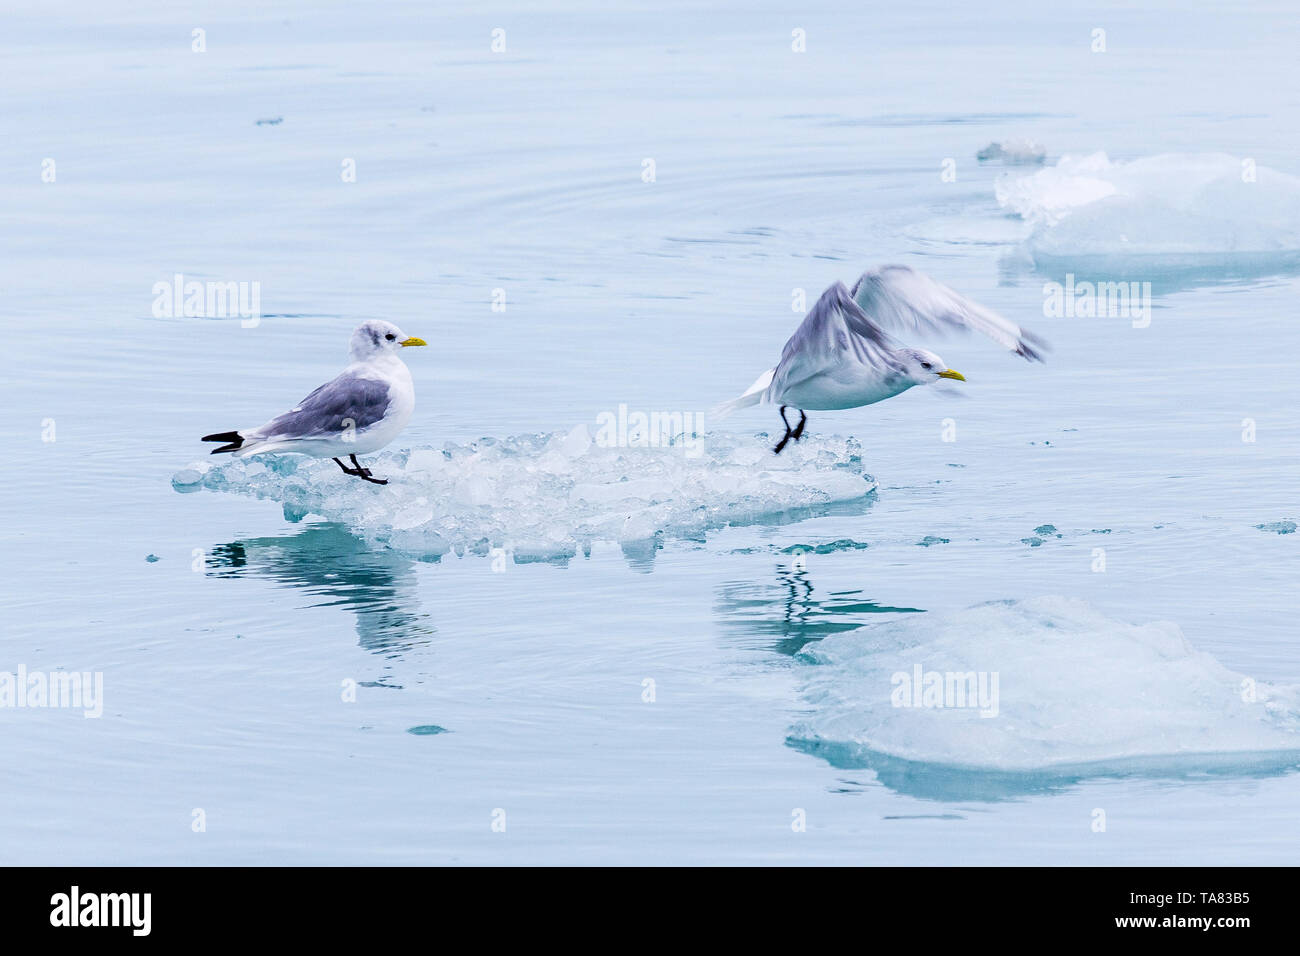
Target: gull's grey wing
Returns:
[904, 300]
[835, 332]
[328, 411]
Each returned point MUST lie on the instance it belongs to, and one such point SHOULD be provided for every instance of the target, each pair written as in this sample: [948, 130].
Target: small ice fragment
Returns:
[293, 514]
[417, 514]
[930, 539]
[1281, 527]
[427, 730]
[187, 480]
[840, 544]
[424, 460]
[576, 443]
[151, 558]
[1014, 152]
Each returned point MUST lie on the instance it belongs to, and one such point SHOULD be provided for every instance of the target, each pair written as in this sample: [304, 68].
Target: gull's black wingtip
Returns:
[1031, 346]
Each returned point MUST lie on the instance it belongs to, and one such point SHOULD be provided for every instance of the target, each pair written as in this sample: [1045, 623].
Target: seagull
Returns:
[359, 412]
[842, 355]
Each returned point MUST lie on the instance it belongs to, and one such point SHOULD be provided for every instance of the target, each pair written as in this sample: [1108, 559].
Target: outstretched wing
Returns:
[904, 300]
[834, 335]
[347, 401]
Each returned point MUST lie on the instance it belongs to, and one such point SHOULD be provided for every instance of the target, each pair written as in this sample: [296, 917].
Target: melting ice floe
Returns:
[547, 496]
[1074, 689]
[1186, 209]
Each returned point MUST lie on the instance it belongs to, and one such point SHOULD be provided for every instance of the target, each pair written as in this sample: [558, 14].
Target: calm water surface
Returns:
[522, 171]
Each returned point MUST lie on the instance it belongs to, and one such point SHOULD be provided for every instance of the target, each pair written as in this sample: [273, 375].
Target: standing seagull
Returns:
[841, 356]
[360, 411]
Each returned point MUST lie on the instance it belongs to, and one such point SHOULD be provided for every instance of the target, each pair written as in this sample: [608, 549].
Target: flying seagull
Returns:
[359, 412]
[843, 355]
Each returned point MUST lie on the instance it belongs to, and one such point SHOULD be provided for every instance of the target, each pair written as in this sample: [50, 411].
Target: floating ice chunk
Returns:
[1192, 208]
[542, 497]
[187, 480]
[1280, 527]
[1014, 152]
[1073, 688]
[830, 547]
[1049, 195]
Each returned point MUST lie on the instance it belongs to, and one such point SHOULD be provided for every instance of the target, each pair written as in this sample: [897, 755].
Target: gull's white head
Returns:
[376, 338]
[926, 368]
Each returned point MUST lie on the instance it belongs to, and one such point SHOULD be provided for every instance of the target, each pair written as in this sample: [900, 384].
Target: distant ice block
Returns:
[1185, 209]
[1073, 689]
[1013, 152]
[546, 496]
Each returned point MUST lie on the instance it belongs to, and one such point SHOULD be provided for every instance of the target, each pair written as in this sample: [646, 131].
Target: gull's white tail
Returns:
[753, 395]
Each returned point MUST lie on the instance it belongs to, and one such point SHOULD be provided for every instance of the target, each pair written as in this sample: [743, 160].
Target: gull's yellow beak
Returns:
[946, 373]
[412, 341]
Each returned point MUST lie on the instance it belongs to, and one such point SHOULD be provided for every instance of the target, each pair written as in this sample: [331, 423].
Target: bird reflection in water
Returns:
[790, 613]
[326, 561]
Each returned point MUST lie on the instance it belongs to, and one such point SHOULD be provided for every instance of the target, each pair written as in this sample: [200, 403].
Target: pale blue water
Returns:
[522, 171]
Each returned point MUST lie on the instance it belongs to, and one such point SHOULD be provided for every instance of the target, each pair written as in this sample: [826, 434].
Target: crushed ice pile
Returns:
[1073, 688]
[547, 496]
[1188, 207]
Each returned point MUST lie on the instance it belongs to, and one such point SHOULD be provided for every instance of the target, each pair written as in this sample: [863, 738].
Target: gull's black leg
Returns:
[786, 437]
[359, 472]
[798, 429]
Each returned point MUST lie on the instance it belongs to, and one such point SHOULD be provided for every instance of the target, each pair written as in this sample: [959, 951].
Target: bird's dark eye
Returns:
[923, 364]
[390, 336]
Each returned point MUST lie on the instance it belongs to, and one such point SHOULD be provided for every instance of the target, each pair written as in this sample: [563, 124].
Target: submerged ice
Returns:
[546, 496]
[1042, 684]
